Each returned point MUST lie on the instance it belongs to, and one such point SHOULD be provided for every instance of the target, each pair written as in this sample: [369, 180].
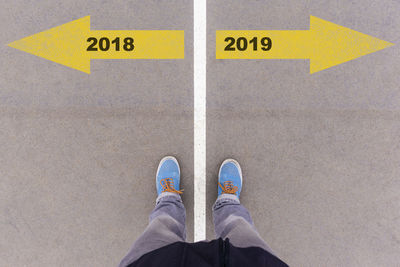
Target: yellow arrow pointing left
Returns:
[68, 44]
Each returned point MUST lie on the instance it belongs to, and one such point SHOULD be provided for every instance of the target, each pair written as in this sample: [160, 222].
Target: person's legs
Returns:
[231, 219]
[167, 220]
[166, 226]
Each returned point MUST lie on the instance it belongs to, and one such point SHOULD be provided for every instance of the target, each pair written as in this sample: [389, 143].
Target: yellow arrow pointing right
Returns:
[326, 44]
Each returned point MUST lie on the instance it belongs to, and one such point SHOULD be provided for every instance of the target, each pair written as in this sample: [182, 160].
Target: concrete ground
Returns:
[320, 153]
[80, 152]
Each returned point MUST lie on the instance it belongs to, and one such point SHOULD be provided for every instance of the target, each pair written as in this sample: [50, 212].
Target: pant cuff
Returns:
[225, 199]
[167, 194]
[228, 196]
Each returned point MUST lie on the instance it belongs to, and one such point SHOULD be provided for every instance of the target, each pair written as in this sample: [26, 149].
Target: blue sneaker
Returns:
[230, 178]
[168, 176]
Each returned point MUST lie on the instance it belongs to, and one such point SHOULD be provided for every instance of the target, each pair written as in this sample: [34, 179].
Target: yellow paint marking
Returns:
[326, 44]
[67, 44]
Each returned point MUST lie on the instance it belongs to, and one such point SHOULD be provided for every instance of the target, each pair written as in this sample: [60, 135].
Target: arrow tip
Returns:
[334, 44]
[64, 44]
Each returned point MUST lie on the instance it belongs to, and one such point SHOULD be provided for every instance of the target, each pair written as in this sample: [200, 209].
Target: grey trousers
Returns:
[167, 226]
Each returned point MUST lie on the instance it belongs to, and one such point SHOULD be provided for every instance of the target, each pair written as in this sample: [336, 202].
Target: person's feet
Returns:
[168, 176]
[230, 178]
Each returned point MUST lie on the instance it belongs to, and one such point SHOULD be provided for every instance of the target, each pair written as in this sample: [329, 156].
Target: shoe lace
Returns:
[228, 187]
[168, 186]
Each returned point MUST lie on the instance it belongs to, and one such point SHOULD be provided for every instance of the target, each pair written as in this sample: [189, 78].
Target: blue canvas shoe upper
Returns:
[168, 176]
[230, 178]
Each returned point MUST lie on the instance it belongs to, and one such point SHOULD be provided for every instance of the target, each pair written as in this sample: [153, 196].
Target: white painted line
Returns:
[199, 33]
